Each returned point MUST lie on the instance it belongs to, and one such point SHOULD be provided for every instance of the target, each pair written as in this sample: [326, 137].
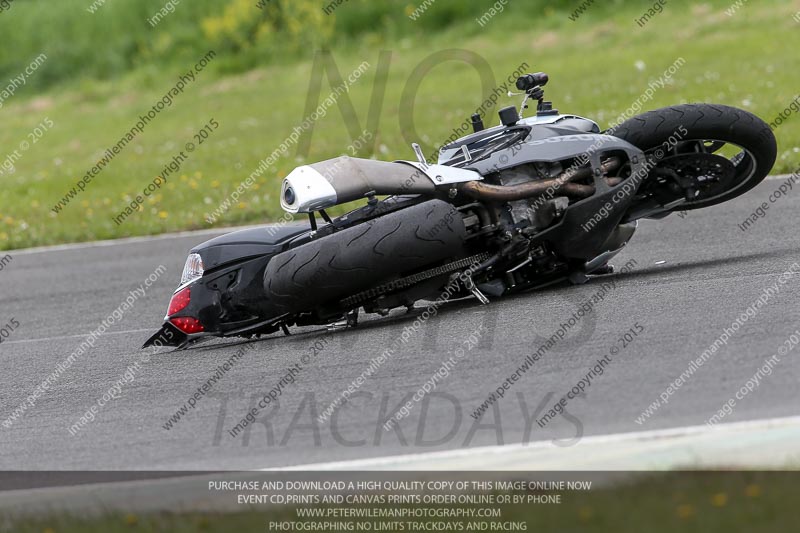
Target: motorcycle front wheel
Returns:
[702, 155]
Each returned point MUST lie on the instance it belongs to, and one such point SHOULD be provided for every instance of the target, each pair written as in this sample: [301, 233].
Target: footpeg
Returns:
[476, 292]
[350, 321]
[336, 326]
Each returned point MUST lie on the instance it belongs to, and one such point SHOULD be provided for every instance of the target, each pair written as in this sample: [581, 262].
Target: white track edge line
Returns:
[766, 423]
[78, 336]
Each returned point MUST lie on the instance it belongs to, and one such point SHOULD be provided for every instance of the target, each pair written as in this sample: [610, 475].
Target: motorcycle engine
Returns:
[541, 211]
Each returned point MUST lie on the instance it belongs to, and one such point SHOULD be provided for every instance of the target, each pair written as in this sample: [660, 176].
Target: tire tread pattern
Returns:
[354, 259]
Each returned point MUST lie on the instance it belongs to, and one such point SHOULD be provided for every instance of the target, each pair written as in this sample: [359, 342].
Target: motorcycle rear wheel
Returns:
[355, 259]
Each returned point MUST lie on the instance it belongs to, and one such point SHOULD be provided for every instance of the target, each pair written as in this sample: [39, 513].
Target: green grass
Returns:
[117, 37]
[702, 502]
[747, 60]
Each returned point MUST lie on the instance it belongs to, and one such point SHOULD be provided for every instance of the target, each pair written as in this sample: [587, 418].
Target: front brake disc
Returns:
[697, 175]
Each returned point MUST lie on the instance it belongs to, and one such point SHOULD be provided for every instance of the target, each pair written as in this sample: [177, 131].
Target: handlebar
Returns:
[529, 81]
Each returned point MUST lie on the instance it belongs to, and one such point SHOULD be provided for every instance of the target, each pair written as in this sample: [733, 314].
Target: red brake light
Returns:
[179, 301]
[188, 324]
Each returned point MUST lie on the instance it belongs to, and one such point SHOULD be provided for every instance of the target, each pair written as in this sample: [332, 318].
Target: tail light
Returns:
[179, 301]
[187, 324]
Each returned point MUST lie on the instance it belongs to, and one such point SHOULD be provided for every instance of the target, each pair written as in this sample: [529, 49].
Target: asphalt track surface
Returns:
[693, 277]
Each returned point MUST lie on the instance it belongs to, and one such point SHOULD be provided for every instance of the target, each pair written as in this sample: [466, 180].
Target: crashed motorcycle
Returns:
[531, 202]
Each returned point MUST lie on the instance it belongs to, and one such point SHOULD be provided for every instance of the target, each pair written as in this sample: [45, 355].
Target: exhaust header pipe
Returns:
[563, 184]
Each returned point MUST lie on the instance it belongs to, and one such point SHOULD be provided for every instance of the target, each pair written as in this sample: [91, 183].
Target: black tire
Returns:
[651, 130]
[358, 258]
